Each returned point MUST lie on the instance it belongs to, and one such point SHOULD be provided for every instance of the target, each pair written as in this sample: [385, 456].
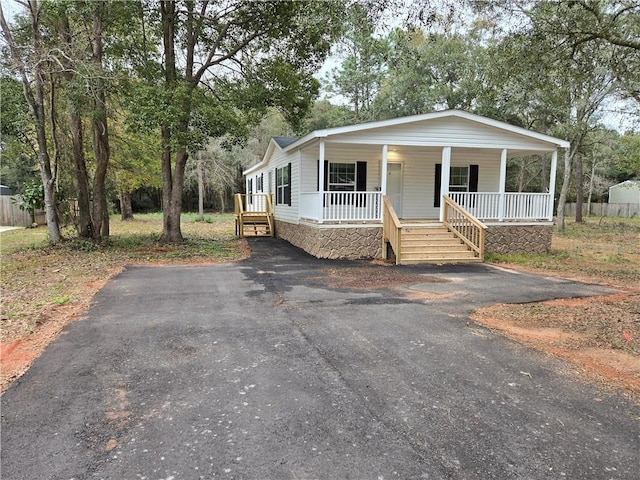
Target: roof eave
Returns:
[265, 160]
[426, 116]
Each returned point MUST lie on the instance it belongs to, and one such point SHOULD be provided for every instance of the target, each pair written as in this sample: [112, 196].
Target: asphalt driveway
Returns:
[271, 368]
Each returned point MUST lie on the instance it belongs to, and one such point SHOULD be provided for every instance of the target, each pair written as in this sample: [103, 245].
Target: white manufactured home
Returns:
[425, 188]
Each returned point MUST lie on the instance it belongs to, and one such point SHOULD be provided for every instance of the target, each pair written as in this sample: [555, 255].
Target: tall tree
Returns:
[31, 64]
[265, 52]
[99, 124]
[68, 57]
[564, 83]
[364, 62]
[427, 72]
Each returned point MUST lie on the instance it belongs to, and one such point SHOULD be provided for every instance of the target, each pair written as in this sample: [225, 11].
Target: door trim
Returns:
[401, 192]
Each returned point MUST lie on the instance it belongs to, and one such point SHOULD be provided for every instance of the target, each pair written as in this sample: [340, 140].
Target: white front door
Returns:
[394, 186]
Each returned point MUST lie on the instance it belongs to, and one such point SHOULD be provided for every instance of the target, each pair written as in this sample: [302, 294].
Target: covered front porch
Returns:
[351, 180]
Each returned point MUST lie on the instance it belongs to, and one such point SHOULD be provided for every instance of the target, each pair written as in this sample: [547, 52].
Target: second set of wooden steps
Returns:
[256, 224]
[433, 244]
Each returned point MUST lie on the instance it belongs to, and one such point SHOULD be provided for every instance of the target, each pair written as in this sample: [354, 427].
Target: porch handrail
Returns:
[247, 204]
[253, 202]
[238, 204]
[391, 229]
[465, 226]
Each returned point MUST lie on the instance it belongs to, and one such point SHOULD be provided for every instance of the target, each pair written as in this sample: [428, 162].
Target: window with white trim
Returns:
[283, 191]
[459, 179]
[342, 177]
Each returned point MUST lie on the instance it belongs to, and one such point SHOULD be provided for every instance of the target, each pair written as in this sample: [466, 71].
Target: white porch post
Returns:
[383, 170]
[321, 183]
[503, 182]
[444, 178]
[552, 182]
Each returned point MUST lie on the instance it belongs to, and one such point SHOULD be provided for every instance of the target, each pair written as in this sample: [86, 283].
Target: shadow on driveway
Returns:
[286, 366]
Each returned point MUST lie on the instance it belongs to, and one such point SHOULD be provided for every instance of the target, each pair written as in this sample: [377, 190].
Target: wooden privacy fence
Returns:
[624, 210]
[11, 215]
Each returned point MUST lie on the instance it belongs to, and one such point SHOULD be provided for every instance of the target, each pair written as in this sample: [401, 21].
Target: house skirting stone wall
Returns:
[333, 242]
[518, 238]
[350, 243]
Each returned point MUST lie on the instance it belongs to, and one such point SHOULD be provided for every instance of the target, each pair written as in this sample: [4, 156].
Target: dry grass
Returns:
[599, 250]
[600, 335]
[44, 286]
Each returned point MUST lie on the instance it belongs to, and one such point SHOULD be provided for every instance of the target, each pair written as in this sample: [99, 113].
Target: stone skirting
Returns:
[518, 238]
[349, 243]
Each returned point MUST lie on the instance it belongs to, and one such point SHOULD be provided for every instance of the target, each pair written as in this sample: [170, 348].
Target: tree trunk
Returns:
[591, 181]
[35, 100]
[167, 183]
[579, 188]
[200, 168]
[126, 210]
[223, 194]
[105, 222]
[171, 228]
[565, 188]
[171, 183]
[80, 177]
[100, 136]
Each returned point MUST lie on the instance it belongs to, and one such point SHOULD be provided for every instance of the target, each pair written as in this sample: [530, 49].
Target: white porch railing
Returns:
[516, 206]
[367, 206]
[256, 202]
[341, 206]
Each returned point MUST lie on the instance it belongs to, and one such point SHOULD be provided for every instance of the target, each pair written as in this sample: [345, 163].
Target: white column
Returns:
[383, 170]
[552, 182]
[321, 183]
[444, 178]
[503, 183]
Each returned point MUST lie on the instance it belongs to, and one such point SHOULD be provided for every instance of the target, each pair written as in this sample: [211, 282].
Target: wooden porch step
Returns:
[417, 261]
[255, 218]
[421, 231]
[433, 244]
[430, 240]
[453, 247]
[254, 224]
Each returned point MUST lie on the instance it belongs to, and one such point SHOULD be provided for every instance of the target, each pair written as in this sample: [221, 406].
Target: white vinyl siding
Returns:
[309, 169]
[488, 162]
[340, 153]
[280, 159]
[451, 131]
[419, 167]
[419, 175]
